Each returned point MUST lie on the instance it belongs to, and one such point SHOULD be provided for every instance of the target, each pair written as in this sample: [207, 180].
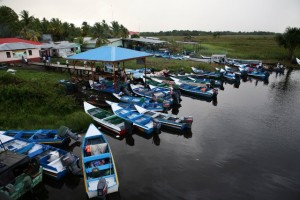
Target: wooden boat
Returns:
[18, 174]
[142, 122]
[167, 121]
[56, 162]
[196, 90]
[129, 102]
[62, 136]
[99, 169]
[106, 119]
[160, 93]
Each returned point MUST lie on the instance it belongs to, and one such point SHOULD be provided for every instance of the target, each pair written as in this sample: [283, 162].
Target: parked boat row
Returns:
[22, 162]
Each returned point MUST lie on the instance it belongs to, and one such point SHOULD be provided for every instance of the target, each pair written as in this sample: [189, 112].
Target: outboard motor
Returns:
[128, 126]
[71, 162]
[156, 126]
[175, 97]
[244, 74]
[267, 74]
[64, 131]
[189, 120]
[215, 92]
[102, 188]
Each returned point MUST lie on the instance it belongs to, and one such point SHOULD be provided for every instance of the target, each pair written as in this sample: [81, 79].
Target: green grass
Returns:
[33, 99]
[262, 47]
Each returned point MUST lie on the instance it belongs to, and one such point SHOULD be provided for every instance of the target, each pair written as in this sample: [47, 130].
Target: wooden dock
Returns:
[71, 69]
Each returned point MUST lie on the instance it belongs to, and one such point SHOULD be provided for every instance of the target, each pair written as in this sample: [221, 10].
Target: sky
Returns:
[168, 15]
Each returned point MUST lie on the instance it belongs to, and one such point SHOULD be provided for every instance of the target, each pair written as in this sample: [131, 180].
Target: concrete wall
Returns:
[16, 55]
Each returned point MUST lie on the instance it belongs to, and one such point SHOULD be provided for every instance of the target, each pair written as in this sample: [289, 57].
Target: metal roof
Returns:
[109, 54]
[15, 40]
[146, 40]
[17, 46]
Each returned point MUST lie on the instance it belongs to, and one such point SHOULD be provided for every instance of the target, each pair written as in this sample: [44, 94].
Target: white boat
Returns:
[298, 61]
[105, 119]
[99, 170]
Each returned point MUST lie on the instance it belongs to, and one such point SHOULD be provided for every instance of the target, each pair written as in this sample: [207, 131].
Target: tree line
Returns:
[203, 33]
[29, 27]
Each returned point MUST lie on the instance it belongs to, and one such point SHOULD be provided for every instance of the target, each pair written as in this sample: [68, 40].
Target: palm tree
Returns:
[99, 33]
[26, 20]
[85, 28]
[124, 32]
[115, 29]
[56, 29]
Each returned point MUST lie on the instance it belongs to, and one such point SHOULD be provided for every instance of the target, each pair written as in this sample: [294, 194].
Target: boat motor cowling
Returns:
[71, 162]
[101, 188]
[64, 131]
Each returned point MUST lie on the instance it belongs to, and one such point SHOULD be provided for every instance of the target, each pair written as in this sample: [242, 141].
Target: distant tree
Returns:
[9, 22]
[135, 36]
[56, 29]
[85, 29]
[99, 33]
[30, 26]
[116, 29]
[290, 40]
[216, 34]
[124, 32]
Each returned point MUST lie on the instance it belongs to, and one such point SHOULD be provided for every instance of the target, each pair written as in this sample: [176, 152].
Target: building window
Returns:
[30, 52]
[8, 55]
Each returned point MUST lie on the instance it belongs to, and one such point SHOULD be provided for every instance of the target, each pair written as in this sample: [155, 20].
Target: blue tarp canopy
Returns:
[109, 54]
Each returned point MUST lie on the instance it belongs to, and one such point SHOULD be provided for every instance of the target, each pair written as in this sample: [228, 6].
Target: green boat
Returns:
[18, 175]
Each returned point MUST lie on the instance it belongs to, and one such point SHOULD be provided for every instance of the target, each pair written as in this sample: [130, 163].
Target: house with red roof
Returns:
[15, 50]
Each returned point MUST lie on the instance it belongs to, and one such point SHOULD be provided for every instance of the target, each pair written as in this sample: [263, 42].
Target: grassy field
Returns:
[33, 99]
[258, 47]
[261, 47]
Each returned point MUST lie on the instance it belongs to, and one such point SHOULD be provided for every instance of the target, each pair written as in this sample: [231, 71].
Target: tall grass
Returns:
[34, 99]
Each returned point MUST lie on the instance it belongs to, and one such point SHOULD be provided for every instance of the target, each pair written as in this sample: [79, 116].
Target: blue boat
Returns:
[259, 74]
[142, 122]
[162, 94]
[62, 136]
[197, 90]
[56, 162]
[130, 101]
[99, 169]
[106, 86]
[168, 121]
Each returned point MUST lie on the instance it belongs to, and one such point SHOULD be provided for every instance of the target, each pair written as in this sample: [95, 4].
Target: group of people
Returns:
[46, 60]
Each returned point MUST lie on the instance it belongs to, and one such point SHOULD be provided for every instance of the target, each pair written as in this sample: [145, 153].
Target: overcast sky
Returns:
[168, 15]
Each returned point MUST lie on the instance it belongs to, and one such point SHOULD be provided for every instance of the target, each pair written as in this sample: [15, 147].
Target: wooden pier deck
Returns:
[79, 70]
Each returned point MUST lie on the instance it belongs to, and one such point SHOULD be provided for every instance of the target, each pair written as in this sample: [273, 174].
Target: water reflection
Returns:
[156, 139]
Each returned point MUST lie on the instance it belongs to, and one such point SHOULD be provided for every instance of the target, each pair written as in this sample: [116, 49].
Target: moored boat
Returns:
[196, 90]
[56, 162]
[167, 121]
[19, 174]
[142, 122]
[99, 170]
[62, 136]
[106, 119]
[141, 101]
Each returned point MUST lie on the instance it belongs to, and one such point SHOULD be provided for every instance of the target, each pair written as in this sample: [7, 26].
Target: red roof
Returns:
[133, 33]
[14, 40]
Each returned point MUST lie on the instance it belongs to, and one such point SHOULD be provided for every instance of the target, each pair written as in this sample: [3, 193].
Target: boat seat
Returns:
[101, 167]
[96, 157]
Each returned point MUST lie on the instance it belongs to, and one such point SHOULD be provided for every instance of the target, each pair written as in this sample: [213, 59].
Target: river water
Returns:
[245, 146]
